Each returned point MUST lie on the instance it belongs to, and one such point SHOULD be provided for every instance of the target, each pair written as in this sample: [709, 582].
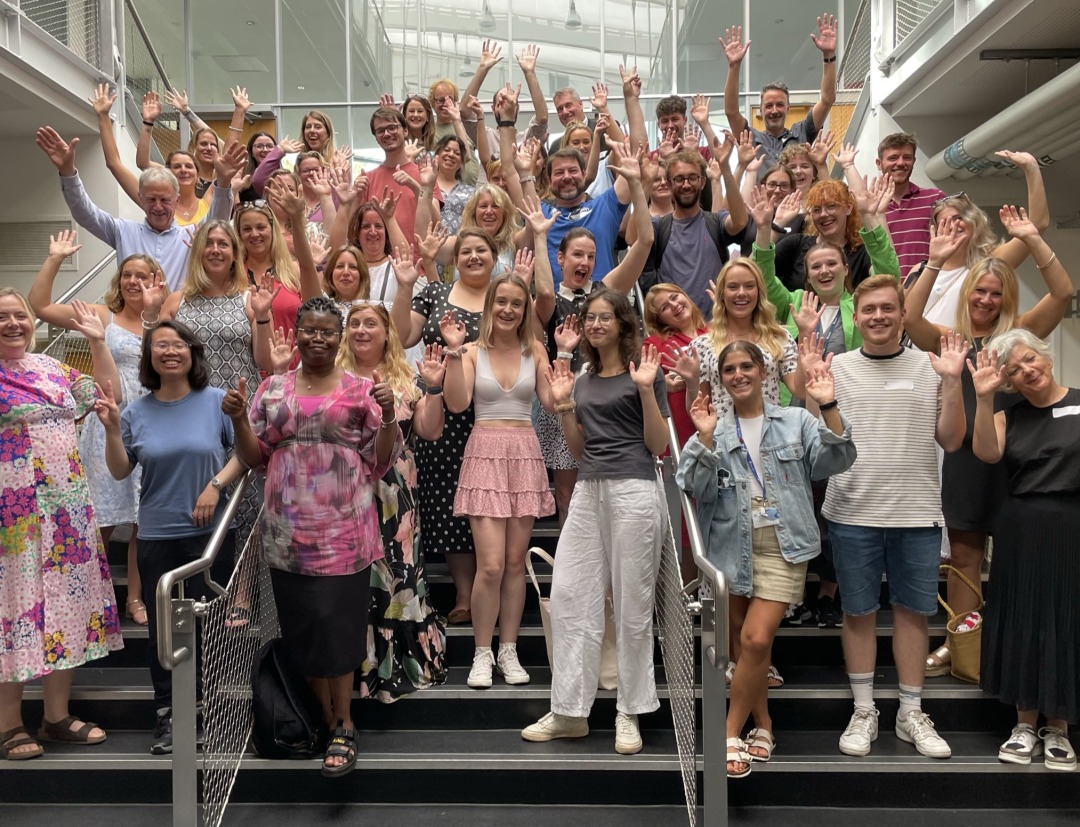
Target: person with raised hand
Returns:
[1029, 653]
[538, 124]
[613, 422]
[179, 437]
[326, 436]
[750, 475]
[115, 502]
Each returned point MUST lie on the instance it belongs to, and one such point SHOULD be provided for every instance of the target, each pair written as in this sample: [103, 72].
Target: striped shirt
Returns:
[909, 225]
[893, 404]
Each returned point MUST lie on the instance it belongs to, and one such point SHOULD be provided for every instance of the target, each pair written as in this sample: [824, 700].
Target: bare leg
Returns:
[910, 637]
[736, 617]
[967, 549]
[688, 566]
[463, 571]
[11, 713]
[339, 690]
[57, 690]
[750, 685]
[134, 581]
[564, 488]
[489, 536]
[512, 592]
[859, 637]
[321, 688]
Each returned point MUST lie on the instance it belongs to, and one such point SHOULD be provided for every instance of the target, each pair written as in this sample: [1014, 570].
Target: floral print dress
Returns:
[57, 605]
[406, 645]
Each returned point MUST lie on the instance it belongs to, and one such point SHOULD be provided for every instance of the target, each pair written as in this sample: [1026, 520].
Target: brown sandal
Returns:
[15, 738]
[62, 731]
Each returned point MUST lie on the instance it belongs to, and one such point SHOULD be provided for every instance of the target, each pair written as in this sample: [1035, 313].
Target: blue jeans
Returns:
[909, 557]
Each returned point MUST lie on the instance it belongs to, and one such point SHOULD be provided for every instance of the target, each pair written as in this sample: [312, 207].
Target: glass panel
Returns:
[313, 50]
[230, 50]
[373, 66]
[366, 151]
[701, 63]
[781, 48]
[636, 33]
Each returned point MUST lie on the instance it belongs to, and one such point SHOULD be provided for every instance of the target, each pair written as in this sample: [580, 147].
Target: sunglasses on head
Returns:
[942, 200]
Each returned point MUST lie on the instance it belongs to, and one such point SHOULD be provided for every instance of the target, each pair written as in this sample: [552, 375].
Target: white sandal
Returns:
[776, 680]
[740, 757]
[760, 739]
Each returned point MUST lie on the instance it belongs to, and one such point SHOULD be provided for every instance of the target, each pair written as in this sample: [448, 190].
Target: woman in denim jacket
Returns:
[750, 476]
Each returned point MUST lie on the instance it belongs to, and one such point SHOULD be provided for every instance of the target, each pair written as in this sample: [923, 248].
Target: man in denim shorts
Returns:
[884, 514]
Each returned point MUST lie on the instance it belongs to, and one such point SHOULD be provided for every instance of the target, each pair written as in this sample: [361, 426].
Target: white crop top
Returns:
[492, 401]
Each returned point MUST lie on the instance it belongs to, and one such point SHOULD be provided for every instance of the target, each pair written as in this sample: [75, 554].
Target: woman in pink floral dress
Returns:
[57, 606]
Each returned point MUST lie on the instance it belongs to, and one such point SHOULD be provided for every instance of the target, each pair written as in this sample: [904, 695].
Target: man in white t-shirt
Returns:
[884, 513]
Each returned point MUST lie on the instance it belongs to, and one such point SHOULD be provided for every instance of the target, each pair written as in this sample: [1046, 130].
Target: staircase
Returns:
[451, 745]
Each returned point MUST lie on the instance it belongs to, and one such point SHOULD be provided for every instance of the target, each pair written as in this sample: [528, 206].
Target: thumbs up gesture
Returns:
[384, 396]
[234, 405]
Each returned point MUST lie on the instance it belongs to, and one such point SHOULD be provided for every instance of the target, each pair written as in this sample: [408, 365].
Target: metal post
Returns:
[714, 717]
[185, 770]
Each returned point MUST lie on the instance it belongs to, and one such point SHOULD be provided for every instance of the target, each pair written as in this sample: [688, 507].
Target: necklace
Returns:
[308, 382]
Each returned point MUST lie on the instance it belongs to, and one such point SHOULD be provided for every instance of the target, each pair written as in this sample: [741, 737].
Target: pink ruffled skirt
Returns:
[503, 475]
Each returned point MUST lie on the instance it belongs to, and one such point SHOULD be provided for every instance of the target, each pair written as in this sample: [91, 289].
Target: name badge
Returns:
[764, 517]
[1070, 410]
[899, 385]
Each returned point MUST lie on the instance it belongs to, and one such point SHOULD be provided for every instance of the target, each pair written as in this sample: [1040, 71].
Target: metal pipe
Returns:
[169, 656]
[146, 41]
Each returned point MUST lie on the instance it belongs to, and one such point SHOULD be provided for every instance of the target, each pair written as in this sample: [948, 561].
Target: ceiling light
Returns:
[466, 70]
[487, 19]
[251, 22]
[301, 88]
[573, 19]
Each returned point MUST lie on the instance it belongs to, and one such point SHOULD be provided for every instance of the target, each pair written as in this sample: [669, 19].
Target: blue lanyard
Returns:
[749, 459]
[826, 335]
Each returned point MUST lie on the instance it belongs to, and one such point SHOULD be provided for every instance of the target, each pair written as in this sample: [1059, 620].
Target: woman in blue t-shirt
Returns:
[181, 439]
[613, 421]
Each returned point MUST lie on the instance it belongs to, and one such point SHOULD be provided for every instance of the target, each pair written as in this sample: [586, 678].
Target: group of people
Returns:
[425, 358]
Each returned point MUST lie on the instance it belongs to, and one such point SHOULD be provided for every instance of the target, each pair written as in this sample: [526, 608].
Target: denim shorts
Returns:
[909, 557]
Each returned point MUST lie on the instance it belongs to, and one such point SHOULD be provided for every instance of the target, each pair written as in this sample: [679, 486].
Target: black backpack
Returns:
[287, 717]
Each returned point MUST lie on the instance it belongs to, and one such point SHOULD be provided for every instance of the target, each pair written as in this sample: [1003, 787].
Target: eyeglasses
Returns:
[679, 180]
[824, 208]
[604, 319]
[318, 333]
[169, 347]
[783, 186]
[386, 130]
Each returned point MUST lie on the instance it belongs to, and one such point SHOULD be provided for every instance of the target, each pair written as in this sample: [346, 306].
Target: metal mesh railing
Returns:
[855, 69]
[676, 631]
[72, 349]
[227, 654]
[144, 73]
[75, 23]
[907, 14]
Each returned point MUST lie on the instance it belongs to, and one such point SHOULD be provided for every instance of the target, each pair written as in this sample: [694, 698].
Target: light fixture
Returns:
[487, 19]
[573, 19]
[466, 70]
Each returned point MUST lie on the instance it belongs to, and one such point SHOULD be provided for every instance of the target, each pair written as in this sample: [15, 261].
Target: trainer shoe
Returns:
[829, 615]
[917, 728]
[480, 674]
[553, 726]
[627, 734]
[1022, 746]
[509, 666]
[1059, 752]
[162, 744]
[861, 732]
[797, 615]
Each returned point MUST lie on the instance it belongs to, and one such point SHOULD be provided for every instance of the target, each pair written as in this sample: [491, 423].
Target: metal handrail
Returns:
[73, 291]
[169, 656]
[146, 41]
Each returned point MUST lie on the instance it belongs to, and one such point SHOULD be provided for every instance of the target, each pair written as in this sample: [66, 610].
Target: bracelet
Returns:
[562, 354]
[148, 123]
[387, 423]
[262, 321]
[528, 179]
[235, 129]
[189, 116]
[502, 123]
[1049, 261]
[829, 59]
[931, 267]
[454, 353]
[828, 406]
[147, 325]
[433, 390]
[565, 407]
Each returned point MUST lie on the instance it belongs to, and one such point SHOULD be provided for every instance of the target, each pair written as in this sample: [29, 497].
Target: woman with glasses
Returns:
[613, 420]
[180, 439]
[326, 437]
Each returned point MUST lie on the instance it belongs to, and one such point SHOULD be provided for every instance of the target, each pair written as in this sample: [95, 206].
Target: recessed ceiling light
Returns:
[251, 22]
[301, 88]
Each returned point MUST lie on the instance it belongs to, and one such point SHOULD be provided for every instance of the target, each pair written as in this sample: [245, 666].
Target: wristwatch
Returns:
[216, 483]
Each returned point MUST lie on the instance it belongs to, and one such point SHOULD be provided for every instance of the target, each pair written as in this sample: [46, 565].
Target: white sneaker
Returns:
[480, 674]
[553, 726]
[861, 732]
[1022, 746]
[627, 734]
[1059, 752]
[917, 728]
[509, 666]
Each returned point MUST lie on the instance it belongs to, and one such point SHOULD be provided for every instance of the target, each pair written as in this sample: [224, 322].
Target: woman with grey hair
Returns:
[1030, 656]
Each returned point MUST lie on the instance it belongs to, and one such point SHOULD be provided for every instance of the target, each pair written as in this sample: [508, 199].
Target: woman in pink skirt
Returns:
[503, 485]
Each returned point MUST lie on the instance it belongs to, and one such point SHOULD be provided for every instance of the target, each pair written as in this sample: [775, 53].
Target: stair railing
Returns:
[176, 635]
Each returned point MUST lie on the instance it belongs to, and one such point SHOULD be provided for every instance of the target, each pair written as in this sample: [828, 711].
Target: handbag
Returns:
[286, 715]
[965, 648]
[609, 678]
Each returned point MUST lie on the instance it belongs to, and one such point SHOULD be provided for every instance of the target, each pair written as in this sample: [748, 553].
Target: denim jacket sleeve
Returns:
[826, 453]
[697, 472]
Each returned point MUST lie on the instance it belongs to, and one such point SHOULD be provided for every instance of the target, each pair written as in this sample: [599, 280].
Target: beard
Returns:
[685, 198]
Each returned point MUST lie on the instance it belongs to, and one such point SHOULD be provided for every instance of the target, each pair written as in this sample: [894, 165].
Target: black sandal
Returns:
[342, 745]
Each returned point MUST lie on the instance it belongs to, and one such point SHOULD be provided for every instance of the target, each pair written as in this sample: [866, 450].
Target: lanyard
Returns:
[826, 335]
[749, 459]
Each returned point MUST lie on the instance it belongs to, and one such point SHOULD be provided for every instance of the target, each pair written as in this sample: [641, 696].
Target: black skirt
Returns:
[1031, 634]
[323, 620]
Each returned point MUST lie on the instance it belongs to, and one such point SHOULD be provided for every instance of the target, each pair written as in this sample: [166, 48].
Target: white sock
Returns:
[910, 700]
[862, 689]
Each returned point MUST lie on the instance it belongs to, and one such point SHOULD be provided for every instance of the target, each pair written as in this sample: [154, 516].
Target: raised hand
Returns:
[703, 415]
[734, 49]
[568, 334]
[687, 364]
[151, 106]
[599, 96]
[625, 161]
[342, 156]
[821, 147]
[527, 59]
[524, 261]
[987, 375]
[1017, 224]
[234, 405]
[880, 192]
[87, 321]
[761, 207]
[699, 109]
[826, 37]
[807, 316]
[430, 243]
[811, 348]
[284, 199]
[945, 240]
[388, 203]
[603, 121]
[1024, 160]
[490, 55]
[722, 151]
[452, 330]
[341, 182]
[525, 157]
[846, 156]
[745, 151]
[319, 252]
[57, 150]
[691, 135]
[228, 163]
[427, 170]
[177, 100]
[262, 296]
[712, 169]
[403, 179]
[534, 216]
[432, 367]
[412, 148]
[560, 380]
[282, 348]
[320, 183]
[506, 103]
[953, 354]
[240, 98]
[474, 106]
[631, 82]
[102, 99]
[405, 272]
[387, 100]
[820, 385]
[288, 145]
[153, 293]
[383, 395]
[64, 243]
[108, 412]
[787, 209]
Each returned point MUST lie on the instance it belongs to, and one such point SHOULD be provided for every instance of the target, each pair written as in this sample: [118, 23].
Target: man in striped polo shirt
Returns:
[911, 208]
[884, 514]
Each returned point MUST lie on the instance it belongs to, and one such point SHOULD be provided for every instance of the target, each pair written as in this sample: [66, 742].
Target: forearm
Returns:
[394, 233]
[310, 282]
[732, 102]
[951, 424]
[329, 209]
[832, 420]
[575, 441]
[592, 165]
[456, 391]
[543, 278]
[656, 430]
[635, 122]
[483, 151]
[428, 418]
[880, 249]
[269, 165]
[923, 333]
[339, 227]
[540, 109]
[105, 368]
[245, 442]
[260, 343]
[735, 205]
[1038, 209]
[221, 206]
[142, 147]
[40, 296]
[984, 438]
[234, 469]
[401, 313]
[116, 458]
[385, 441]
[779, 295]
[128, 181]
[422, 216]
[716, 190]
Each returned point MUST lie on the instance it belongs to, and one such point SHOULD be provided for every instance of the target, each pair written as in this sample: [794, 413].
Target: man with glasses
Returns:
[691, 244]
[388, 127]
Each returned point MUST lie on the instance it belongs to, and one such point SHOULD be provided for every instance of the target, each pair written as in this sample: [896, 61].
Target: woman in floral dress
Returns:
[406, 643]
[57, 606]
